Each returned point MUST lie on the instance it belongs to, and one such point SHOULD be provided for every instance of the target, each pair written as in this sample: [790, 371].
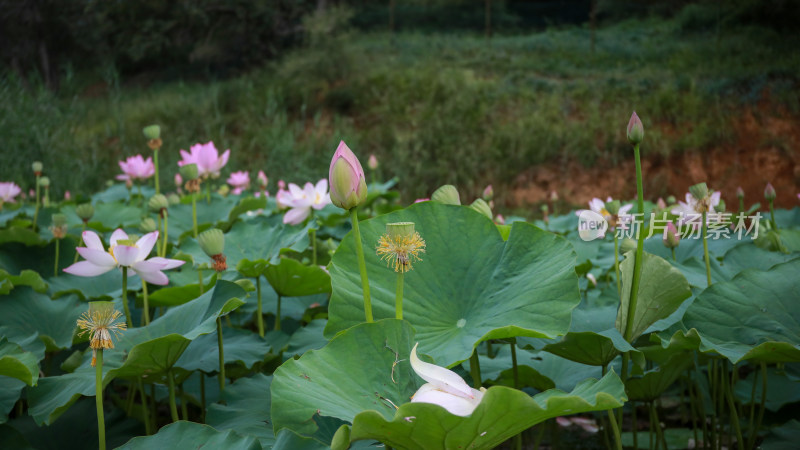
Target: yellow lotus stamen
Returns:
[100, 322]
[400, 249]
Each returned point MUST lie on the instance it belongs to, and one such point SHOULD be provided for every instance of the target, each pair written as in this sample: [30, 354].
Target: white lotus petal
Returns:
[442, 378]
[92, 240]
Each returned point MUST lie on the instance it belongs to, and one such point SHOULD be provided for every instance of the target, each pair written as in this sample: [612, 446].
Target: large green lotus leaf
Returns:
[653, 383]
[21, 235]
[471, 285]
[291, 278]
[110, 216]
[675, 437]
[25, 312]
[10, 391]
[309, 337]
[787, 218]
[503, 413]
[241, 346]
[25, 278]
[260, 239]
[184, 434]
[564, 374]
[246, 409]
[106, 286]
[694, 269]
[151, 351]
[784, 437]
[353, 373]
[752, 317]
[499, 369]
[662, 290]
[592, 338]
[180, 294]
[752, 257]
[17, 363]
[781, 390]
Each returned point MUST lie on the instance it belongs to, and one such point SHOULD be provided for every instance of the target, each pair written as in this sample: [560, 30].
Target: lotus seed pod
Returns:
[85, 211]
[44, 182]
[635, 130]
[720, 206]
[699, 191]
[174, 199]
[212, 241]
[37, 167]
[158, 202]
[613, 207]
[152, 132]
[189, 172]
[224, 190]
[447, 194]
[482, 207]
[148, 225]
[400, 229]
[671, 200]
[59, 220]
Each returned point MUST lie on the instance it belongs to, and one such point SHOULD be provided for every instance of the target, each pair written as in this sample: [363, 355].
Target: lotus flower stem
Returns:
[125, 297]
[772, 214]
[398, 299]
[146, 305]
[278, 315]
[38, 202]
[475, 369]
[634, 428]
[155, 164]
[203, 397]
[673, 254]
[260, 311]
[615, 429]
[98, 383]
[200, 279]
[208, 194]
[762, 406]
[705, 249]
[55, 265]
[732, 407]
[184, 407]
[637, 267]
[173, 408]
[616, 266]
[160, 235]
[313, 233]
[145, 414]
[80, 241]
[153, 411]
[539, 435]
[141, 196]
[362, 266]
[194, 215]
[514, 368]
[166, 234]
[221, 375]
[751, 422]
[692, 404]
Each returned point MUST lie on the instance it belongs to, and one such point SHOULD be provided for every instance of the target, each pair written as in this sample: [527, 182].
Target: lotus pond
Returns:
[211, 313]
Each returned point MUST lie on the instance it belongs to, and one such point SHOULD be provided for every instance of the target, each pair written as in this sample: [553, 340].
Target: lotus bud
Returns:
[152, 132]
[482, 207]
[148, 225]
[85, 212]
[661, 204]
[545, 209]
[178, 180]
[699, 191]
[212, 241]
[372, 162]
[59, 225]
[500, 220]
[348, 184]
[44, 182]
[671, 200]
[158, 203]
[262, 179]
[67, 195]
[174, 199]
[635, 130]
[671, 236]
[189, 172]
[739, 192]
[282, 184]
[37, 167]
[627, 245]
[613, 207]
[224, 190]
[553, 196]
[720, 206]
[769, 192]
[447, 194]
[488, 193]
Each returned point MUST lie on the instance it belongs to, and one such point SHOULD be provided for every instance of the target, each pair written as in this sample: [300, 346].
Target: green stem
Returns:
[705, 249]
[693, 407]
[741, 204]
[772, 215]
[80, 241]
[539, 436]
[194, 214]
[160, 242]
[55, 265]
[762, 407]
[200, 279]
[634, 425]
[514, 368]
[155, 163]
[712, 387]
[208, 192]
[98, 384]
[173, 408]
[166, 234]
[184, 406]
[751, 422]
[650, 429]
[146, 304]
[278, 315]
[313, 233]
[398, 298]
[153, 410]
[141, 196]
[615, 429]
[203, 397]
[637, 267]
[362, 266]
[734, 414]
[616, 266]
[38, 201]
[221, 349]
[259, 310]
[657, 424]
[145, 415]
[125, 297]
[475, 369]
[673, 254]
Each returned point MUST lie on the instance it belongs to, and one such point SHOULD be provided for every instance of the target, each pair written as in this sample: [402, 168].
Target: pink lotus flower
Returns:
[348, 183]
[122, 253]
[419, 200]
[207, 158]
[178, 180]
[136, 168]
[9, 190]
[300, 201]
[240, 181]
[372, 162]
[67, 195]
[693, 207]
[262, 179]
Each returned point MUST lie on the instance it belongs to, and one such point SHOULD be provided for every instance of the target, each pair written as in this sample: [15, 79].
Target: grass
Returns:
[435, 109]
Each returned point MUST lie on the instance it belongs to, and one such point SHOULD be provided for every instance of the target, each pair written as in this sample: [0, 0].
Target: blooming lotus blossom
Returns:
[8, 191]
[444, 388]
[300, 201]
[694, 207]
[122, 252]
[240, 181]
[207, 158]
[136, 168]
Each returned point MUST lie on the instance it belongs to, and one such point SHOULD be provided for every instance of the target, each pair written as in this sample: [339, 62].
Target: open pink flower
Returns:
[240, 181]
[692, 208]
[122, 253]
[207, 158]
[300, 201]
[136, 168]
[8, 190]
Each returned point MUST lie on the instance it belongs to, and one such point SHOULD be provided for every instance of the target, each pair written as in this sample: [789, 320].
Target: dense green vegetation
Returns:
[435, 108]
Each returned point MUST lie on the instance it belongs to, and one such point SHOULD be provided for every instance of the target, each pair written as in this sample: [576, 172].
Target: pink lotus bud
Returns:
[500, 220]
[740, 192]
[347, 181]
[32, 193]
[635, 130]
[281, 185]
[661, 204]
[553, 196]
[178, 180]
[372, 162]
[419, 200]
[769, 192]
[67, 195]
[671, 236]
[262, 179]
[488, 193]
